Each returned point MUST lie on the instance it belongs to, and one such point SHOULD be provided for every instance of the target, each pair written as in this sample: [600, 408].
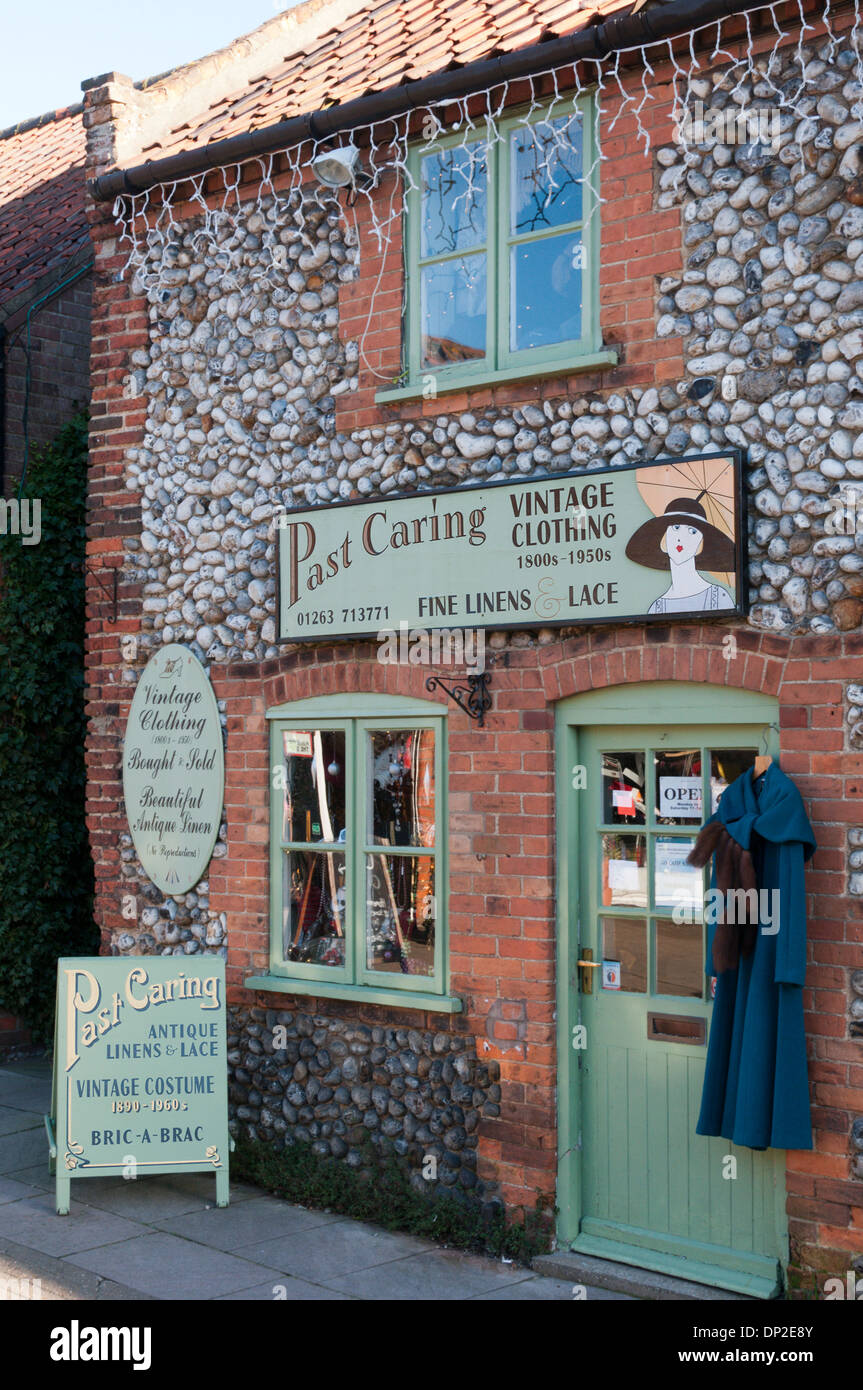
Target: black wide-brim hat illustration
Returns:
[717, 553]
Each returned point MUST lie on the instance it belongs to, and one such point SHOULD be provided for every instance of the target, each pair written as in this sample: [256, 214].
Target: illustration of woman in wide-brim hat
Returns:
[672, 542]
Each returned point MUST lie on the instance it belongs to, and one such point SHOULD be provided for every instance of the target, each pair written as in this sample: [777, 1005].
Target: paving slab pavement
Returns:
[163, 1238]
[12, 1120]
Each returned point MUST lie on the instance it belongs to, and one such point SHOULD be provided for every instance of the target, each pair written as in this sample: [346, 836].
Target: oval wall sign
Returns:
[174, 769]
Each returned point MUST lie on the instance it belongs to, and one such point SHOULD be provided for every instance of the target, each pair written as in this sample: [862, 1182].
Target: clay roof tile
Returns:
[42, 221]
[385, 42]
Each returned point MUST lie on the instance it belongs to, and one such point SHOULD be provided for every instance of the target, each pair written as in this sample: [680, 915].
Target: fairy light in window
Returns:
[555, 155]
[151, 234]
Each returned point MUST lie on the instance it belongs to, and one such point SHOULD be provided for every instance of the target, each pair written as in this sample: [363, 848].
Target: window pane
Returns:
[679, 963]
[546, 174]
[678, 786]
[453, 308]
[624, 871]
[726, 765]
[546, 291]
[676, 883]
[400, 913]
[623, 789]
[314, 806]
[314, 907]
[400, 787]
[454, 186]
[624, 940]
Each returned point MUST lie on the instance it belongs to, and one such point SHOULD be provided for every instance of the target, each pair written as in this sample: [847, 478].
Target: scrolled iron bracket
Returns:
[473, 698]
[109, 590]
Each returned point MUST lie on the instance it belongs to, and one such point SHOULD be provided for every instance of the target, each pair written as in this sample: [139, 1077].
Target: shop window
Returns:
[501, 252]
[357, 858]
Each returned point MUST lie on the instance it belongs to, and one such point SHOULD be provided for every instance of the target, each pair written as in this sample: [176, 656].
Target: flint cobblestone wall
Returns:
[733, 298]
[744, 327]
[354, 1091]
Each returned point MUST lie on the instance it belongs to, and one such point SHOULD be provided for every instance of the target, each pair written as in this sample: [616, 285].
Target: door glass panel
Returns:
[623, 789]
[624, 939]
[313, 910]
[675, 883]
[400, 913]
[679, 963]
[401, 791]
[678, 786]
[726, 765]
[314, 807]
[624, 871]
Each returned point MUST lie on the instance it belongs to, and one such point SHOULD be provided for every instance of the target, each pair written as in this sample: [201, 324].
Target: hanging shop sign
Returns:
[140, 1070]
[659, 540]
[174, 769]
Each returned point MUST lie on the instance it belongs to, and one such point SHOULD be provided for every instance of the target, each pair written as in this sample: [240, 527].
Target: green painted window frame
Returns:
[356, 716]
[501, 362]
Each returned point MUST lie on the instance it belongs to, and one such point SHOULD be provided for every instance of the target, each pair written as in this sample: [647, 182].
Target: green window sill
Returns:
[467, 382]
[397, 998]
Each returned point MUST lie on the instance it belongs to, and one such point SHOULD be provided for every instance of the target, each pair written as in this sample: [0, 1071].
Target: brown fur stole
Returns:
[734, 870]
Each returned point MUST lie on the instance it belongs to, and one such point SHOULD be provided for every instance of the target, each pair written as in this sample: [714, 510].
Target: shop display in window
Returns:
[359, 892]
[314, 916]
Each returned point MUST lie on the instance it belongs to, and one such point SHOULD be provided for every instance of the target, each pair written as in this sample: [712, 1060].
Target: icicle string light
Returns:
[150, 231]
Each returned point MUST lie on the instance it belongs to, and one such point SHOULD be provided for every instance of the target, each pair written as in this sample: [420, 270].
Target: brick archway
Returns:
[736, 657]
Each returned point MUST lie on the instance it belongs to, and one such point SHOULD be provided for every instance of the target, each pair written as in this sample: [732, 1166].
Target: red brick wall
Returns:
[639, 245]
[501, 788]
[59, 366]
[114, 514]
[502, 874]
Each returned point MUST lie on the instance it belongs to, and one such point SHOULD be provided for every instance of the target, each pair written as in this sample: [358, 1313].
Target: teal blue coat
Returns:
[756, 1090]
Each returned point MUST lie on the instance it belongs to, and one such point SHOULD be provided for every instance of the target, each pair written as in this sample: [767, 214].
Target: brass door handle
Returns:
[585, 966]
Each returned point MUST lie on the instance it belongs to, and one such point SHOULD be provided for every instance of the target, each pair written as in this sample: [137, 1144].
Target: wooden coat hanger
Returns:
[762, 760]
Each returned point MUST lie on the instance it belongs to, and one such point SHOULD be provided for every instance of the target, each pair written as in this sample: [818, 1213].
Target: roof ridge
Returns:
[176, 99]
[61, 114]
[294, 14]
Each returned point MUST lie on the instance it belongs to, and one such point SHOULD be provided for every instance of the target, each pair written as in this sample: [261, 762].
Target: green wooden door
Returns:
[647, 1189]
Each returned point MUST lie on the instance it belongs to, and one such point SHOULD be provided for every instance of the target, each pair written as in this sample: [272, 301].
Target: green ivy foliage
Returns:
[46, 872]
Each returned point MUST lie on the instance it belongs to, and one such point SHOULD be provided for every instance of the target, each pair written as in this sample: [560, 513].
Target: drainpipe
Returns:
[628, 31]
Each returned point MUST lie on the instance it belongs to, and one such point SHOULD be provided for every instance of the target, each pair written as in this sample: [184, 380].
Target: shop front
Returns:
[517, 542]
[527, 999]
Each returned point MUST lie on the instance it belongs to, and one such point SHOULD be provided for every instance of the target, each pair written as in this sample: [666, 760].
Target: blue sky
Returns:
[50, 47]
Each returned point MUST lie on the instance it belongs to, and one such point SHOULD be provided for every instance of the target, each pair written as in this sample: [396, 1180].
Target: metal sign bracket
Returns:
[473, 698]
